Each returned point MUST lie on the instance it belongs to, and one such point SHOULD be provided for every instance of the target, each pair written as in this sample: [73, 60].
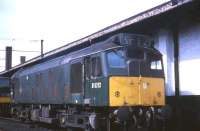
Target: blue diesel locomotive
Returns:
[119, 81]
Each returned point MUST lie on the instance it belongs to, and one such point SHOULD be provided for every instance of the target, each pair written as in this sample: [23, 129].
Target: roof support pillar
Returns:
[176, 61]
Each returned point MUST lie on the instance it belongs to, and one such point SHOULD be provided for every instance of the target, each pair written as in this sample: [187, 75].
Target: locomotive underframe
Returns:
[91, 118]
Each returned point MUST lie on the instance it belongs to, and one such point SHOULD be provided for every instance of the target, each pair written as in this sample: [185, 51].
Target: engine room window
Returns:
[96, 67]
[37, 80]
[116, 59]
[76, 78]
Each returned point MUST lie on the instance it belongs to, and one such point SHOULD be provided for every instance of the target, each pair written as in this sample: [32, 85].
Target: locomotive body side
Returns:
[40, 84]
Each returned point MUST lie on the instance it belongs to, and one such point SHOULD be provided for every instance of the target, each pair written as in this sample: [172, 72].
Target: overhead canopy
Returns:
[132, 24]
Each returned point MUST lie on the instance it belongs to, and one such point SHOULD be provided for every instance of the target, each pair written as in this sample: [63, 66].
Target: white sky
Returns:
[24, 22]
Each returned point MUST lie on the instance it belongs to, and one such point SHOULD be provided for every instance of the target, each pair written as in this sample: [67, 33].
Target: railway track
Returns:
[10, 124]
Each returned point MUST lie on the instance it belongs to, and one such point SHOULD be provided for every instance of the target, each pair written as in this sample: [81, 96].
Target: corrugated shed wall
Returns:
[189, 58]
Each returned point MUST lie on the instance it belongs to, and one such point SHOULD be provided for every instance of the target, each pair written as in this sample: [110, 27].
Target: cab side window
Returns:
[96, 68]
[87, 67]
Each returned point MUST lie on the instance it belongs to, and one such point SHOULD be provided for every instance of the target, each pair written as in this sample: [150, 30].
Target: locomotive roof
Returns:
[39, 67]
[118, 40]
[67, 57]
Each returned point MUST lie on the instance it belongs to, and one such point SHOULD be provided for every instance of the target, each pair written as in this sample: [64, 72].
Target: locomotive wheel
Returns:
[60, 121]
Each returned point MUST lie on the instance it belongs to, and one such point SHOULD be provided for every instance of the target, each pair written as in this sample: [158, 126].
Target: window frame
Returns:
[79, 90]
[92, 76]
[115, 67]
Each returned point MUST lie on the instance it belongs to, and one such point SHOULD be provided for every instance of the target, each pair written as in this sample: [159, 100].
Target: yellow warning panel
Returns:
[123, 91]
[136, 91]
[5, 99]
[152, 91]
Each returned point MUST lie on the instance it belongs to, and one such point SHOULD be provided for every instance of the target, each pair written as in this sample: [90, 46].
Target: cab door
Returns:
[95, 85]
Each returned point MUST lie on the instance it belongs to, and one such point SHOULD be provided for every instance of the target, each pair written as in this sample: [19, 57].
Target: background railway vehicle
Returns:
[119, 81]
[5, 99]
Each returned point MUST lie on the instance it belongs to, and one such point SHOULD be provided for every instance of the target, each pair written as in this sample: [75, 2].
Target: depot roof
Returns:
[156, 11]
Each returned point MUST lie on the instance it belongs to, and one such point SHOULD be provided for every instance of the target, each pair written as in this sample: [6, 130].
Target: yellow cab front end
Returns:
[136, 91]
[136, 77]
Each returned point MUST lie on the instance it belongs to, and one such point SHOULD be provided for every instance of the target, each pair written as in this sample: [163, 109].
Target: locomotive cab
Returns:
[129, 79]
[136, 77]
[129, 73]
[124, 76]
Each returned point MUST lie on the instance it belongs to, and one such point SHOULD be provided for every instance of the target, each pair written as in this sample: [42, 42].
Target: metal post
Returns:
[176, 62]
[42, 41]
[177, 84]
[22, 59]
[8, 62]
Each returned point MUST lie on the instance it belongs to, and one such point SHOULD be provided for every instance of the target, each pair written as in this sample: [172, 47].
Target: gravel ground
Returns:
[12, 125]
